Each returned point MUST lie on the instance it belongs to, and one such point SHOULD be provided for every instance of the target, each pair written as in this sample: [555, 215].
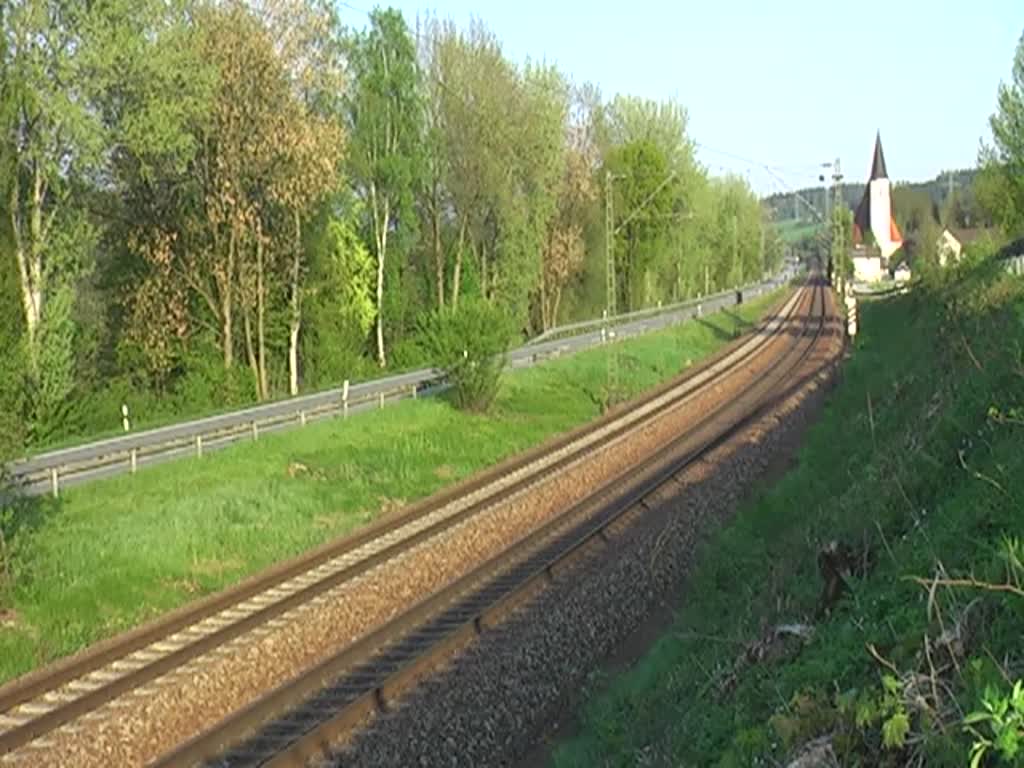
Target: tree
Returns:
[310, 140]
[644, 200]
[479, 87]
[341, 293]
[386, 128]
[527, 200]
[563, 254]
[433, 195]
[1001, 182]
[82, 93]
[11, 317]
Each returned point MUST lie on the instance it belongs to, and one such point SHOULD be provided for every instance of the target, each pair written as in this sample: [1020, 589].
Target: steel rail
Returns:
[51, 679]
[454, 614]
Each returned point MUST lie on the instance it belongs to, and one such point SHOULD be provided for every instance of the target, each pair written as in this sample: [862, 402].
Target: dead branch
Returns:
[970, 352]
[970, 583]
[871, 422]
[979, 476]
[885, 542]
[881, 659]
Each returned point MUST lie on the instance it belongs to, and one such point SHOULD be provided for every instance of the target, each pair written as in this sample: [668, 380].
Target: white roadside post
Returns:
[344, 398]
[133, 454]
[851, 312]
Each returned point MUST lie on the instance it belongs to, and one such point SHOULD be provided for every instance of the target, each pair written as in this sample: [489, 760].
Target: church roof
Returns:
[878, 163]
[862, 215]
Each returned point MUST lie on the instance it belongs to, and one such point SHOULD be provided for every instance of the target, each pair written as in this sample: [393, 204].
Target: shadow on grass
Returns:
[724, 334]
[21, 516]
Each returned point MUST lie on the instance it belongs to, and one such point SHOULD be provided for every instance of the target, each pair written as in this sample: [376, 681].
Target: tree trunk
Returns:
[250, 352]
[483, 272]
[457, 276]
[546, 255]
[261, 341]
[30, 296]
[543, 300]
[435, 223]
[382, 245]
[227, 332]
[554, 309]
[296, 313]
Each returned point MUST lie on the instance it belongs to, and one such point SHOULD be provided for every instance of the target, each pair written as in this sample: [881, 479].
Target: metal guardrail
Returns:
[711, 300]
[51, 471]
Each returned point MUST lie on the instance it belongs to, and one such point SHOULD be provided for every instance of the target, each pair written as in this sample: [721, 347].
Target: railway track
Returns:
[38, 704]
[300, 720]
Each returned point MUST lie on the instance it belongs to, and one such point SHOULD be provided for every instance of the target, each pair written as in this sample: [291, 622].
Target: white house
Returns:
[867, 266]
[949, 249]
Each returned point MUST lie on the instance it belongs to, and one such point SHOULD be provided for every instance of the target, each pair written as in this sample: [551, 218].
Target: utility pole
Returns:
[610, 287]
[736, 248]
[828, 217]
[839, 244]
[609, 246]
[764, 267]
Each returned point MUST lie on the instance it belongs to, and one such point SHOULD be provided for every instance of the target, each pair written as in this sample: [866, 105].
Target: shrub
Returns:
[469, 345]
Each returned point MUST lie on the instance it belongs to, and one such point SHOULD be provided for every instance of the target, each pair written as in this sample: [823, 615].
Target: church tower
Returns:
[874, 214]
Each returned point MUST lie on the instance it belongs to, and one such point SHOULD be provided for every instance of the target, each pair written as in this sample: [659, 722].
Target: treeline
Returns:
[207, 202]
[949, 199]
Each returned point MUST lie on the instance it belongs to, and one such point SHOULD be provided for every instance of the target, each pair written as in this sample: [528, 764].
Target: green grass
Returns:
[111, 554]
[908, 464]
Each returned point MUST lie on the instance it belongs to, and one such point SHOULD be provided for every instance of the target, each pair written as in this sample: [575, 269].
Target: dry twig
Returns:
[881, 659]
[971, 582]
[970, 352]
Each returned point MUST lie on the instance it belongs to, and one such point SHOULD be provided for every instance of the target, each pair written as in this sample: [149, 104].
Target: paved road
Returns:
[105, 458]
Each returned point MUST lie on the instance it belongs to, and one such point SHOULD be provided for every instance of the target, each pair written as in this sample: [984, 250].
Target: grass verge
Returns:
[114, 553]
[915, 471]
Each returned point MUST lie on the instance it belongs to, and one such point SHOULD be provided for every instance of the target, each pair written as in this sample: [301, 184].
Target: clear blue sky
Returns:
[787, 83]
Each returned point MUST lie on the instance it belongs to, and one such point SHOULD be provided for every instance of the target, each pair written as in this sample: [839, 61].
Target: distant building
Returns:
[901, 272]
[874, 214]
[867, 265]
[1011, 256]
[950, 246]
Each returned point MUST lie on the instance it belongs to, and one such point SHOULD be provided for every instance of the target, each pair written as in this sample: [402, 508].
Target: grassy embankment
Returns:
[917, 470]
[114, 553]
[793, 231]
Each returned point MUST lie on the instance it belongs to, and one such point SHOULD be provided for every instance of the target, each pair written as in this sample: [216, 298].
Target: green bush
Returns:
[469, 345]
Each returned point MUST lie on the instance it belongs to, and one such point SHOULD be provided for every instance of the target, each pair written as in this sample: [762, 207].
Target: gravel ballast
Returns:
[491, 705]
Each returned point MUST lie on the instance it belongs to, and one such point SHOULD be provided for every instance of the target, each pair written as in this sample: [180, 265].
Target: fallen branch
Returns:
[979, 476]
[970, 352]
[881, 659]
[971, 583]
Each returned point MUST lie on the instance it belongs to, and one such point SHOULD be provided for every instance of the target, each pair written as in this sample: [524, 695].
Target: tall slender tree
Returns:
[385, 113]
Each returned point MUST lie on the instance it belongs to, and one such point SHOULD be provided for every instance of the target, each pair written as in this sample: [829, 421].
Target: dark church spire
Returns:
[878, 164]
